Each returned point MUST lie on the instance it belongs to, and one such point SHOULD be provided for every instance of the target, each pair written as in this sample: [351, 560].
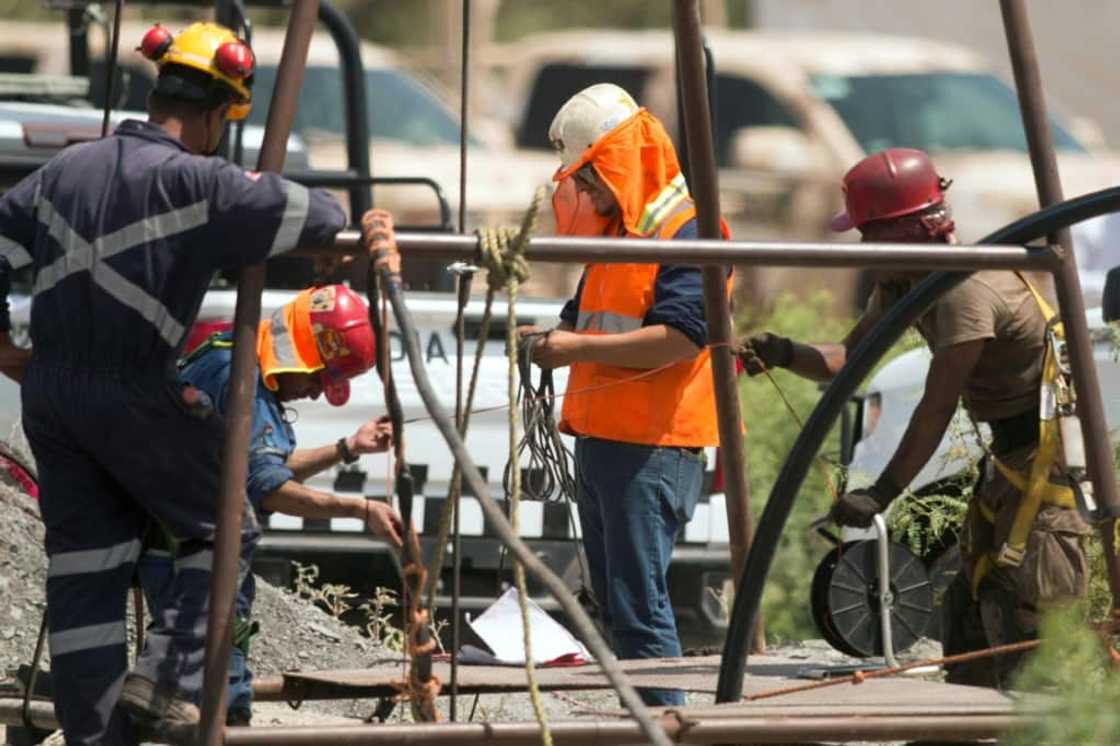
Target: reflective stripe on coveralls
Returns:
[124, 235]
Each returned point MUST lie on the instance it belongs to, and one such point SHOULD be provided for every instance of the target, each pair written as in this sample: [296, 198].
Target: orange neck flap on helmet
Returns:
[286, 342]
[637, 162]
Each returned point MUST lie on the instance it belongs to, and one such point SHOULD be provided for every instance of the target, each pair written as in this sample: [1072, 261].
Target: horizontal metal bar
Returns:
[682, 728]
[708, 252]
[40, 713]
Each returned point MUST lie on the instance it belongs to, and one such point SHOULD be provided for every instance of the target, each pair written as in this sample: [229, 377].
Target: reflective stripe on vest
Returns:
[286, 342]
[674, 406]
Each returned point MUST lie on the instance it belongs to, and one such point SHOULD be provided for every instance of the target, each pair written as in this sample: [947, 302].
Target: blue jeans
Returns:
[633, 501]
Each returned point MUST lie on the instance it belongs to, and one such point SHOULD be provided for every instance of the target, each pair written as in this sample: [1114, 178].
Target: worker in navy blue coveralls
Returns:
[123, 236]
[277, 470]
[639, 399]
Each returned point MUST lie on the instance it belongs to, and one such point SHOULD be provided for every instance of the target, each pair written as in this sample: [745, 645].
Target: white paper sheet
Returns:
[500, 628]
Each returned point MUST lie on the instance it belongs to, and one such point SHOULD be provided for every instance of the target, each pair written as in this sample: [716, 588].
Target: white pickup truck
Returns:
[30, 133]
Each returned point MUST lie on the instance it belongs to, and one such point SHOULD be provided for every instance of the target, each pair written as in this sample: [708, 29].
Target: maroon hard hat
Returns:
[889, 184]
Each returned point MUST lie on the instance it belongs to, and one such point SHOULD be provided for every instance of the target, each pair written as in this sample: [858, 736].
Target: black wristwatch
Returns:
[344, 452]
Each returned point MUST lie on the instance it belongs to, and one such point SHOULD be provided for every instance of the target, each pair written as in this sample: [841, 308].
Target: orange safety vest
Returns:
[671, 407]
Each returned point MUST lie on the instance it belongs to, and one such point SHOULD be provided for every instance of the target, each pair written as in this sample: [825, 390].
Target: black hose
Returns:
[863, 358]
[555, 585]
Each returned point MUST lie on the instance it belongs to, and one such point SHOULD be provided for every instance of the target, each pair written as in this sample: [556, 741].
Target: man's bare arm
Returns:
[307, 462]
[293, 498]
[374, 436]
[821, 362]
[948, 374]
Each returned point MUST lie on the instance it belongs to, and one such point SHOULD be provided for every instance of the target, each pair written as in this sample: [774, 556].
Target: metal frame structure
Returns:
[954, 263]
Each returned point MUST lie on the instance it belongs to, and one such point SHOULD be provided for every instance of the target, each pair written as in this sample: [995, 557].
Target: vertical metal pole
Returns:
[463, 280]
[78, 26]
[705, 190]
[235, 454]
[464, 105]
[1098, 447]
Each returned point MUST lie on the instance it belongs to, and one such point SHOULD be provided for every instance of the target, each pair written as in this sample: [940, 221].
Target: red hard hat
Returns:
[340, 322]
[889, 184]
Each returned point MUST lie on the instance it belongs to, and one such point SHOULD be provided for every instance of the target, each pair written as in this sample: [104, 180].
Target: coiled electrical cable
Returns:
[549, 465]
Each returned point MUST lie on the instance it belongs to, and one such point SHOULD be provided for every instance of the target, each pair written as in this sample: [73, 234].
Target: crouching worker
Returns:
[992, 338]
[311, 346]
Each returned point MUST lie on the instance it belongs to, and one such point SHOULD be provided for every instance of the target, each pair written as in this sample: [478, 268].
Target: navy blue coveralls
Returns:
[272, 441]
[124, 235]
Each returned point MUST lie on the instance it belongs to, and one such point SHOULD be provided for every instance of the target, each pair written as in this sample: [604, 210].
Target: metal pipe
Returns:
[39, 713]
[464, 290]
[235, 454]
[355, 106]
[111, 66]
[680, 727]
[704, 185]
[1100, 465]
[78, 26]
[464, 106]
[456, 488]
[862, 359]
[710, 252]
[886, 598]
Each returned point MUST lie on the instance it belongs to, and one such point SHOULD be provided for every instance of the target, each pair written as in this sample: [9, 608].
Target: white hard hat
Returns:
[587, 116]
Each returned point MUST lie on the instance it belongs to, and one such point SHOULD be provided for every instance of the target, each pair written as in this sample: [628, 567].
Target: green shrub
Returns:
[771, 432]
[1080, 690]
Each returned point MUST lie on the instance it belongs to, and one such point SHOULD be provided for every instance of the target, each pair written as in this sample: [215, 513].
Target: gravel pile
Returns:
[295, 635]
[298, 636]
[23, 577]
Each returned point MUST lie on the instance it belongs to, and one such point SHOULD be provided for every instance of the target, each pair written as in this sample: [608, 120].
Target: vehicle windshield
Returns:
[399, 107]
[931, 111]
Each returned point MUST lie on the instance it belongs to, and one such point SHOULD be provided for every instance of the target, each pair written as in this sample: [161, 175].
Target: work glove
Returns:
[859, 507]
[380, 241]
[764, 351]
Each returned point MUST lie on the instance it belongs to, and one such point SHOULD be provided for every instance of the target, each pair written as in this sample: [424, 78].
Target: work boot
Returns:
[156, 715]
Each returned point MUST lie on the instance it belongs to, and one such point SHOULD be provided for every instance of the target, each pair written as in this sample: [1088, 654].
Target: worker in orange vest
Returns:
[640, 399]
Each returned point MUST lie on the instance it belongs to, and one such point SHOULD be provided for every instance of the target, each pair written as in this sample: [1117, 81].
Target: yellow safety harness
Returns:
[1056, 397]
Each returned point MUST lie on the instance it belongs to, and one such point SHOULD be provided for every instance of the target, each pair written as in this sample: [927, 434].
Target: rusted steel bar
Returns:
[1098, 447]
[680, 728]
[704, 185]
[41, 714]
[561, 249]
[235, 455]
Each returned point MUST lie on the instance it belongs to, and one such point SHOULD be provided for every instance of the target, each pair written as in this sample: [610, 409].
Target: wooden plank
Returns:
[897, 695]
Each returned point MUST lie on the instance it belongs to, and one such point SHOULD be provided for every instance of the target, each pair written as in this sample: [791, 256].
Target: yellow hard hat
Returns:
[210, 48]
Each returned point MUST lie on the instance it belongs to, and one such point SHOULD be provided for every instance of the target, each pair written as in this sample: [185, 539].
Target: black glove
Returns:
[858, 507]
[764, 351]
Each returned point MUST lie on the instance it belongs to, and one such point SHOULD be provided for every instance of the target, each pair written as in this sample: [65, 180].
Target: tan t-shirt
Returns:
[991, 305]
